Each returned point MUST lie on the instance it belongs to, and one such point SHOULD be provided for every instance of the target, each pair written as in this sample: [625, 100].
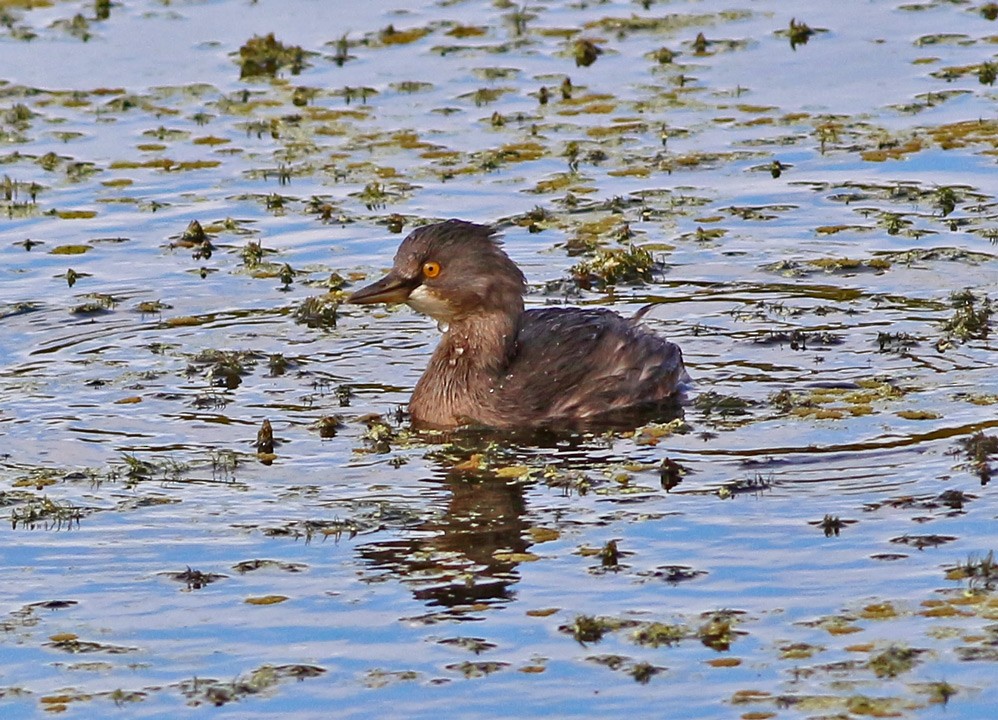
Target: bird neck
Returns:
[458, 384]
[479, 342]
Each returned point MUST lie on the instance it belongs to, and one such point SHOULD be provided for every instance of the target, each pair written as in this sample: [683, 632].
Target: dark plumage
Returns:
[504, 367]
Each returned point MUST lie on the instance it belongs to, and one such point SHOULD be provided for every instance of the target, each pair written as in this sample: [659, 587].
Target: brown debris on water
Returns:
[265, 438]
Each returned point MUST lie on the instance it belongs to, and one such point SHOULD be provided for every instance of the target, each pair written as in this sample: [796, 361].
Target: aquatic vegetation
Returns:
[920, 542]
[379, 435]
[653, 433]
[265, 439]
[837, 402]
[664, 56]
[979, 449]
[894, 661]
[850, 264]
[971, 317]
[754, 485]
[471, 644]
[585, 52]
[253, 565]
[612, 266]
[195, 238]
[898, 342]
[610, 556]
[252, 254]
[671, 473]
[832, 525]
[266, 600]
[194, 579]
[948, 501]
[152, 307]
[70, 249]
[789, 249]
[711, 402]
[718, 630]
[46, 514]
[656, 634]
[223, 368]
[390, 36]
[266, 56]
[378, 678]
[477, 669]
[201, 691]
[979, 572]
[589, 629]
[71, 643]
[798, 33]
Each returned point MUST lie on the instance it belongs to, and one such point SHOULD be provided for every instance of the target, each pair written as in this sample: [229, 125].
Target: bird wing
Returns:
[575, 363]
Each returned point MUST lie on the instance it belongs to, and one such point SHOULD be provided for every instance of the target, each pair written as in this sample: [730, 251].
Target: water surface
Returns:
[821, 211]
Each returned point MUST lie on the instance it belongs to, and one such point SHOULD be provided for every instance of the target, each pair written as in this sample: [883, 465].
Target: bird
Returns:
[501, 366]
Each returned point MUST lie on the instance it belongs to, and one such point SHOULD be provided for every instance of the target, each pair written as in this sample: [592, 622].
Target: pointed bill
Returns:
[389, 289]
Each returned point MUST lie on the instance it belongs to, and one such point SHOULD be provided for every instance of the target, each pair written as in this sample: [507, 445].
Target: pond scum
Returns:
[170, 315]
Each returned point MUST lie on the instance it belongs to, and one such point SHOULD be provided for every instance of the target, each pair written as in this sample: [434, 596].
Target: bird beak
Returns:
[389, 289]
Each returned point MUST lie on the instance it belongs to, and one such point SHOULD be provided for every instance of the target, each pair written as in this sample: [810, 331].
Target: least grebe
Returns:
[501, 366]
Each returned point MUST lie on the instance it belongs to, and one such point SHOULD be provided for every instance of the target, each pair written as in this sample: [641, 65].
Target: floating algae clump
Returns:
[971, 318]
[267, 56]
[630, 265]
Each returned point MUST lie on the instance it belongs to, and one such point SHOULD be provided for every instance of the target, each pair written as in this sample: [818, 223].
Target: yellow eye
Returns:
[431, 269]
